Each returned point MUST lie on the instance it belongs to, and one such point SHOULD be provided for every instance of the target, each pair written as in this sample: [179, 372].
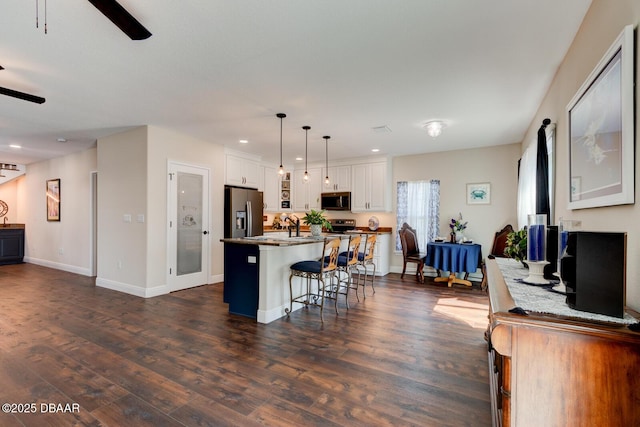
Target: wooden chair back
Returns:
[500, 242]
[330, 251]
[408, 240]
[352, 251]
[369, 247]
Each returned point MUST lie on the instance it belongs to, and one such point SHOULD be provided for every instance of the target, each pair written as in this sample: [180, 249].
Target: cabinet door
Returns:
[339, 179]
[368, 185]
[241, 172]
[306, 194]
[377, 186]
[271, 196]
[359, 196]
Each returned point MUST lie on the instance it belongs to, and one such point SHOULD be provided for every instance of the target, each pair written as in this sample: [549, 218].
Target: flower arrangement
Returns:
[457, 225]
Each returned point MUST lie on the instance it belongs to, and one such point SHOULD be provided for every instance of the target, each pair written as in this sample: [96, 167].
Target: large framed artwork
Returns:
[601, 131]
[53, 199]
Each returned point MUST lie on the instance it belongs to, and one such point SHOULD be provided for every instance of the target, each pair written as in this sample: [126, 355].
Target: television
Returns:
[594, 272]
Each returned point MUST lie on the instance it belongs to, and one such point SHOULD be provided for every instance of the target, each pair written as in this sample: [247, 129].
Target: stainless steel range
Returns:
[342, 225]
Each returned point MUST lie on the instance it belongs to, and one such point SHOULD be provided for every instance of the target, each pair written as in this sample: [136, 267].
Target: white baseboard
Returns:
[58, 266]
[131, 289]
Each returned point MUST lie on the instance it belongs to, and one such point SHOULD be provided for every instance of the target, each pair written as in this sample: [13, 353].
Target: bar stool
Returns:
[365, 258]
[319, 270]
[347, 262]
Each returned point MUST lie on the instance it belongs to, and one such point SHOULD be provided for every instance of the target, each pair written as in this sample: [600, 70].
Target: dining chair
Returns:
[323, 270]
[410, 251]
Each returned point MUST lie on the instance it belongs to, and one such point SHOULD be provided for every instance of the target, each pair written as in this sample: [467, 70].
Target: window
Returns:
[418, 205]
[527, 179]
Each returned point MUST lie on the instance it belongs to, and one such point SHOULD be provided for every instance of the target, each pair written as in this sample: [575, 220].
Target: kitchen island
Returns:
[256, 273]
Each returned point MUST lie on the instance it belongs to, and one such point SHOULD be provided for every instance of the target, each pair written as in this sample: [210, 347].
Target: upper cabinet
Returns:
[271, 189]
[370, 187]
[339, 179]
[306, 195]
[241, 171]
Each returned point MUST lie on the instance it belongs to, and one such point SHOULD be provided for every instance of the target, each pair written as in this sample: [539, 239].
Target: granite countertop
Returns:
[11, 226]
[281, 240]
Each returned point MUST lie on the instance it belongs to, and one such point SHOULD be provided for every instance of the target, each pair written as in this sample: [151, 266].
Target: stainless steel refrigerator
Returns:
[242, 212]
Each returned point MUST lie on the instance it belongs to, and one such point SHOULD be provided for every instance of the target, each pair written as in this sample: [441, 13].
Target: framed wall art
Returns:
[601, 131]
[479, 193]
[53, 199]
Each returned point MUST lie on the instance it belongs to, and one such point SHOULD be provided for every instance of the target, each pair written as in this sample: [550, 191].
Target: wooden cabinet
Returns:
[339, 179]
[271, 189]
[306, 195]
[549, 370]
[242, 172]
[369, 183]
[11, 244]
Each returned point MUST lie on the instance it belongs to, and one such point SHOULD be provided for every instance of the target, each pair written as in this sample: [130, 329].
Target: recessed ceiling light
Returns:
[299, 159]
[15, 146]
[61, 139]
[243, 141]
[375, 150]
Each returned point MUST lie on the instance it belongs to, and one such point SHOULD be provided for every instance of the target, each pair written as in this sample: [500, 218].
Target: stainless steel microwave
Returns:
[340, 201]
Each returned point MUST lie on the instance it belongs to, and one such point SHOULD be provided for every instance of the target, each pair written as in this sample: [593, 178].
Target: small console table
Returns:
[558, 370]
[454, 258]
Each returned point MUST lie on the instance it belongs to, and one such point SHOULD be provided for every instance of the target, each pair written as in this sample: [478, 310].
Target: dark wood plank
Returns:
[412, 354]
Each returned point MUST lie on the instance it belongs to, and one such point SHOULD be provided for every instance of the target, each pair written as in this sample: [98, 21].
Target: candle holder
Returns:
[564, 226]
[537, 249]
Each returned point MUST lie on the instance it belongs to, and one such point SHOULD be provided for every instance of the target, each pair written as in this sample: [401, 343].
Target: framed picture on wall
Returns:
[53, 199]
[479, 193]
[601, 131]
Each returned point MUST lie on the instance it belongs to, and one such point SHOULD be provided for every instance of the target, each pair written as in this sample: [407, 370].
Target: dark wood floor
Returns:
[409, 355]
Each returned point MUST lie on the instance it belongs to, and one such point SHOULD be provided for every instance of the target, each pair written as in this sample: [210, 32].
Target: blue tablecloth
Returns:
[454, 257]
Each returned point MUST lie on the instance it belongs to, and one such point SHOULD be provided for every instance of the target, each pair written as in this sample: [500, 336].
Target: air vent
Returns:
[381, 129]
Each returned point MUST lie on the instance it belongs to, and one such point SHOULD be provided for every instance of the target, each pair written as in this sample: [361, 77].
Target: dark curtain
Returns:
[542, 173]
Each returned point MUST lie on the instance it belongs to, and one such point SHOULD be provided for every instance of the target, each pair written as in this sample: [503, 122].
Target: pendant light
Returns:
[326, 150]
[306, 134]
[281, 116]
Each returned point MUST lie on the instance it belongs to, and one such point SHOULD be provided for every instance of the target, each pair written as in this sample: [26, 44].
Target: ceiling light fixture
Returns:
[281, 116]
[434, 127]
[243, 141]
[306, 156]
[326, 158]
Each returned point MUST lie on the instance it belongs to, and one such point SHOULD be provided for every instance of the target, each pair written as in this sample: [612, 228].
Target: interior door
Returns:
[188, 226]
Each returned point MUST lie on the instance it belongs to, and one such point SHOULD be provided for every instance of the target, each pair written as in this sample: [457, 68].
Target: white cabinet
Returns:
[271, 190]
[306, 195]
[241, 171]
[339, 179]
[369, 187]
[381, 254]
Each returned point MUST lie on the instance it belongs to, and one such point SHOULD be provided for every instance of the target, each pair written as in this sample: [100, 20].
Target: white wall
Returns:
[164, 146]
[65, 244]
[133, 180]
[122, 190]
[497, 165]
[601, 26]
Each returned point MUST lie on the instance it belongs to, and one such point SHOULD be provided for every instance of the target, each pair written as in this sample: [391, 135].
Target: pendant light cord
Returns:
[281, 116]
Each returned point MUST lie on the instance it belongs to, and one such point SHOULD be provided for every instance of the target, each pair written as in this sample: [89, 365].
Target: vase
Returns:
[316, 229]
[459, 236]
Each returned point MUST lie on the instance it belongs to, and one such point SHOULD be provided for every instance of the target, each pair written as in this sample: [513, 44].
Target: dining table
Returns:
[454, 258]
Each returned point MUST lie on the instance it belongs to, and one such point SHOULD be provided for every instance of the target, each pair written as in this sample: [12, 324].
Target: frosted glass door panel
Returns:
[189, 230]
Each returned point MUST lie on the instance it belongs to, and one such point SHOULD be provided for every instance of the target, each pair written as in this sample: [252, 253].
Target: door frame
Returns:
[173, 283]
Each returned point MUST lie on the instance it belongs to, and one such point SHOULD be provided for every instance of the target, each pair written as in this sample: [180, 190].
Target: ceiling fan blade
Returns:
[123, 19]
[22, 95]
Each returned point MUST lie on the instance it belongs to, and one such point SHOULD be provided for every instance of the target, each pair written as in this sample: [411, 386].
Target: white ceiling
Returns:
[221, 70]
